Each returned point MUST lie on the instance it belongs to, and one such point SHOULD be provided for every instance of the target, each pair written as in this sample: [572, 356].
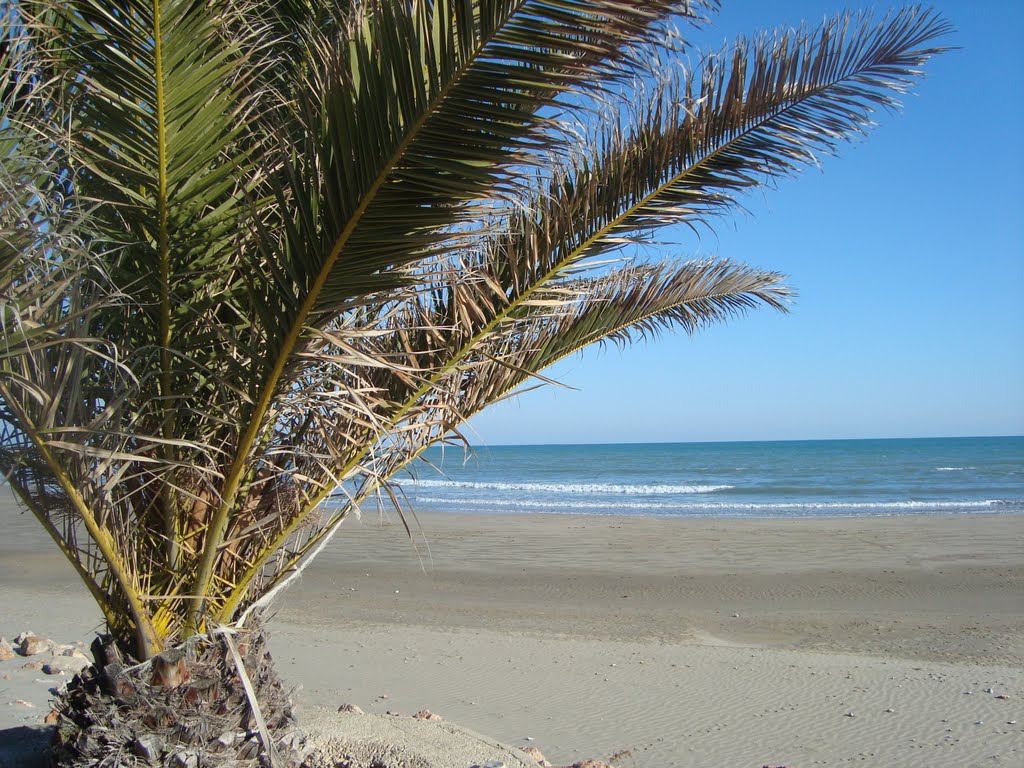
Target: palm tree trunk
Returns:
[187, 706]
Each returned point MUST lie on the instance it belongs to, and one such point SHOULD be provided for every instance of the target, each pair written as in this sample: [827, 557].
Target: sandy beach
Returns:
[884, 641]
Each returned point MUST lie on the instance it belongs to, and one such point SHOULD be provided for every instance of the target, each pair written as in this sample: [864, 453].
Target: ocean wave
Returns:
[626, 489]
[952, 469]
[724, 506]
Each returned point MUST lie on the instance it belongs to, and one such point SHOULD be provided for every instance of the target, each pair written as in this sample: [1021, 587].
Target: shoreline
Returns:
[683, 641]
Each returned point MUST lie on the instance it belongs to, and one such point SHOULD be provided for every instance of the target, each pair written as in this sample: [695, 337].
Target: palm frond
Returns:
[258, 257]
[401, 82]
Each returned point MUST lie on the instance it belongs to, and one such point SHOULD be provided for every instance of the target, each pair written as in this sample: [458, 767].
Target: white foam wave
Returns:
[589, 488]
[952, 469]
[684, 507]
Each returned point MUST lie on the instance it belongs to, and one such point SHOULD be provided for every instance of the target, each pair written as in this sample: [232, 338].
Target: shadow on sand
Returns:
[25, 746]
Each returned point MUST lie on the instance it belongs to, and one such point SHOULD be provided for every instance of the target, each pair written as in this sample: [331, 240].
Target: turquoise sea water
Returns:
[752, 479]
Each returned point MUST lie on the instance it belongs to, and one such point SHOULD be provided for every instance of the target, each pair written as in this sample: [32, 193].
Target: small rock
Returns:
[592, 764]
[36, 665]
[393, 713]
[490, 764]
[1001, 696]
[426, 714]
[735, 615]
[890, 709]
[1011, 722]
[65, 665]
[989, 690]
[350, 708]
[51, 717]
[24, 703]
[31, 645]
[849, 714]
[6, 650]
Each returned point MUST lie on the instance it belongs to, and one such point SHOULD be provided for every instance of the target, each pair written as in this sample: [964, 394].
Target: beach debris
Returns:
[1011, 722]
[849, 714]
[889, 709]
[1000, 696]
[6, 649]
[735, 615]
[393, 713]
[23, 703]
[989, 690]
[490, 764]
[31, 645]
[426, 714]
[350, 708]
[537, 755]
[592, 764]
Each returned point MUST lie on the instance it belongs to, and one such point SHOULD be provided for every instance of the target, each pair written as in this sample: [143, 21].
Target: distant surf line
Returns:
[630, 489]
[897, 507]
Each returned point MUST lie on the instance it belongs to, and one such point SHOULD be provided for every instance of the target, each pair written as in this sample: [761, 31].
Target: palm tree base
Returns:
[186, 708]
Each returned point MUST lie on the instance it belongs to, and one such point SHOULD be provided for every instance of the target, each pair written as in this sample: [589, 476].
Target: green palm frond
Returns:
[419, 78]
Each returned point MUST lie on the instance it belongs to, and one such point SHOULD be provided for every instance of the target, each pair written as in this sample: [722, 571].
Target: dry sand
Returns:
[882, 641]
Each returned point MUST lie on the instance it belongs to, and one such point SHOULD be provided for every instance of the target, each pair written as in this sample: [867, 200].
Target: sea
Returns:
[789, 479]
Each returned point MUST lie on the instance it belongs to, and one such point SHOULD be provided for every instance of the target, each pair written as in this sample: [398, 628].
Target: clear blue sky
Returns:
[908, 254]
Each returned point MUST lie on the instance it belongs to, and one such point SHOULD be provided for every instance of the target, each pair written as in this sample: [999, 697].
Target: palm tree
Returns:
[257, 257]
